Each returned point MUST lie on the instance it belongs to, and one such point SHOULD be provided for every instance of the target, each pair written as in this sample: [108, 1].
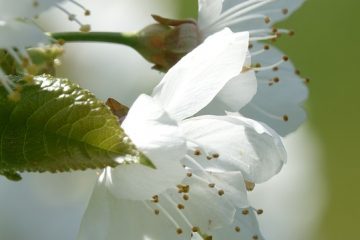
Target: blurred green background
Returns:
[326, 48]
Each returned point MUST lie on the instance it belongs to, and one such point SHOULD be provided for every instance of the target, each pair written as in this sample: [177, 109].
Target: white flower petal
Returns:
[110, 218]
[13, 9]
[198, 77]
[275, 101]
[274, 9]
[159, 138]
[240, 143]
[238, 91]
[243, 227]
[208, 10]
[16, 34]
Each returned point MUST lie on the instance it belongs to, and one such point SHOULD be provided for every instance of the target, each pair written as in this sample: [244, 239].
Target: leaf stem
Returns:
[129, 39]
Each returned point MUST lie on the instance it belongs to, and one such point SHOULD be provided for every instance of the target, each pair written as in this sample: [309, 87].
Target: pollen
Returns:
[221, 192]
[267, 20]
[157, 211]
[85, 28]
[211, 185]
[249, 185]
[189, 174]
[215, 155]
[183, 188]
[155, 199]
[266, 47]
[180, 206]
[237, 229]
[285, 58]
[259, 211]
[179, 231]
[275, 69]
[186, 197]
[197, 152]
[285, 11]
[286, 118]
[195, 229]
[245, 211]
[255, 237]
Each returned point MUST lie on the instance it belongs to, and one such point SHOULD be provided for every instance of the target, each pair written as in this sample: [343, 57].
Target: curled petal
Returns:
[198, 77]
[235, 143]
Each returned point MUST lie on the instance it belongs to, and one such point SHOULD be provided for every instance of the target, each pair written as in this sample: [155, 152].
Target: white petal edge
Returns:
[208, 11]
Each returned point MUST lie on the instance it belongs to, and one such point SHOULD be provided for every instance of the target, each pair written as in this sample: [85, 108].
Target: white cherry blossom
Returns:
[221, 153]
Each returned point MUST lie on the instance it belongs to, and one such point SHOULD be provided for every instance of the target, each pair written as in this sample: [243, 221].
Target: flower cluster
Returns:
[207, 127]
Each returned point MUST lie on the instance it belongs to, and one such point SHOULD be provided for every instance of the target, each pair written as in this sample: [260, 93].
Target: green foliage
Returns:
[58, 126]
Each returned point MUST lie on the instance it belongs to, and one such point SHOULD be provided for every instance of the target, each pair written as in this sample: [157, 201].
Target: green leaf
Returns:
[58, 126]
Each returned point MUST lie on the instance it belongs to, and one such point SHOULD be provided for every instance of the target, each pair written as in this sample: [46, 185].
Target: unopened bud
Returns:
[167, 41]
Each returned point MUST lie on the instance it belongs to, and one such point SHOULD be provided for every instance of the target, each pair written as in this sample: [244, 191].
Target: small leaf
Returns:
[58, 126]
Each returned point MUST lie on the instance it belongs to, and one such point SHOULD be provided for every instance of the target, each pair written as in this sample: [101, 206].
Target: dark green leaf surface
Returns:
[57, 126]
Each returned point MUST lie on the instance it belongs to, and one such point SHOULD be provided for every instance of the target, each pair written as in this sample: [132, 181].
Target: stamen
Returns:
[243, 19]
[167, 215]
[86, 11]
[168, 198]
[269, 37]
[270, 67]
[284, 118]
[235, 12]
[72, 17]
